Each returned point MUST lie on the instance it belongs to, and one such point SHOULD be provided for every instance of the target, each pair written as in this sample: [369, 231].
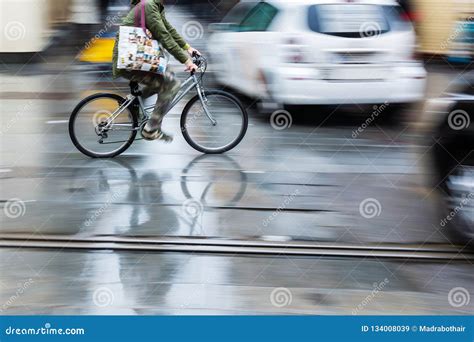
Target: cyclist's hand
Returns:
[192, 51]
[190, 66]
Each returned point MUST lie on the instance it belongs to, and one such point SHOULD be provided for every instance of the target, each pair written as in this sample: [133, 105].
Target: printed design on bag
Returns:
[139, 52]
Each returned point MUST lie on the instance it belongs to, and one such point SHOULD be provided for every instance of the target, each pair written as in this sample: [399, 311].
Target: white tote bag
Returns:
[136, 49]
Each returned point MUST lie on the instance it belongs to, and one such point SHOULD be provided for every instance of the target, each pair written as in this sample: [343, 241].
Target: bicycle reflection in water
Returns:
[150, 203]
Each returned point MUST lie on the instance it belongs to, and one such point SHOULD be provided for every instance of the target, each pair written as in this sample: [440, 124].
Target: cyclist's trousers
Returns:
[166, 86]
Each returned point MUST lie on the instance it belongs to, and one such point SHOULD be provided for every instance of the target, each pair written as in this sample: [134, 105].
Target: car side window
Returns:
[259, 18]
[237, 14]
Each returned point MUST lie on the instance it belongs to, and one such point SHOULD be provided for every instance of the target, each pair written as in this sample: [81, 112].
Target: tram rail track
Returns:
[238, 246]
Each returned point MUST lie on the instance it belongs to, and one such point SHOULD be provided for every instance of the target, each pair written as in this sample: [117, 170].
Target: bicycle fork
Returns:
[203, 99]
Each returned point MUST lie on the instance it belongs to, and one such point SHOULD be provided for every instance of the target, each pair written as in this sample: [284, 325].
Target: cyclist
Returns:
[166, 85]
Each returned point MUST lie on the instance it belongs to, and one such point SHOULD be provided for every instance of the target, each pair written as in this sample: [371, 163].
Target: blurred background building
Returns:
[437, 22]
[366, 150]
[33, 23]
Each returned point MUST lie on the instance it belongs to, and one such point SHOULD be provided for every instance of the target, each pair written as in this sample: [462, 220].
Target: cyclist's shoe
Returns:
[167, 138]
[156, 135]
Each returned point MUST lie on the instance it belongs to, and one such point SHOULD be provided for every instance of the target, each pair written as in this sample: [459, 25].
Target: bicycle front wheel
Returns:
[99, 128]
[215, 126]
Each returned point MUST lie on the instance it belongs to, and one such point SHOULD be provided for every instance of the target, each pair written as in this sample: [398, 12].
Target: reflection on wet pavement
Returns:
[144, 200]
[304, 183]
[176, 283]
[143, 193]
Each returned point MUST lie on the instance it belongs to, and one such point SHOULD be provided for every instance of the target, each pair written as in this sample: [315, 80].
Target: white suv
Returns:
[318, 52]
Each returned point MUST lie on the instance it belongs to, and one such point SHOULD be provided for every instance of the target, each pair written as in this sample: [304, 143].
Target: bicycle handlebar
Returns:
[199, 61]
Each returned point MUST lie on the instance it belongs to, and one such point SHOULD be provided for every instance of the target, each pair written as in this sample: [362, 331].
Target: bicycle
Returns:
[207, 118]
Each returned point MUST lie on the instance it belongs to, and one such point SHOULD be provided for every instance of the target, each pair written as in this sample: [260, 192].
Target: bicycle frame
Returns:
[190, 83]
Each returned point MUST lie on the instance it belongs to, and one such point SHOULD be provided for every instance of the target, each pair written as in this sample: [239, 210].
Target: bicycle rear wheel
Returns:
[229, 126]
[93, 131]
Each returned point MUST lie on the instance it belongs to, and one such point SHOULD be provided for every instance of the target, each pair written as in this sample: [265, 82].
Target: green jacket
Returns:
[160, 29]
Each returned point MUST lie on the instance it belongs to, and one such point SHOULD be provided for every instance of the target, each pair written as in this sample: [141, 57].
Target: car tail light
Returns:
[293, 51]
[409, 16]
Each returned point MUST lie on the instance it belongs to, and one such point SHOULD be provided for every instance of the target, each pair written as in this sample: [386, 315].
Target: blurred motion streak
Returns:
[315, 52]
[360, 132]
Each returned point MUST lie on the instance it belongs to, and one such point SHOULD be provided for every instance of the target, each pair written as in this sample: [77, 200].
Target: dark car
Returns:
[454, 159]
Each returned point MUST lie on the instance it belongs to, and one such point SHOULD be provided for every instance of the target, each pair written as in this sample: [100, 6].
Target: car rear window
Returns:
[397, 18]
[348, 20]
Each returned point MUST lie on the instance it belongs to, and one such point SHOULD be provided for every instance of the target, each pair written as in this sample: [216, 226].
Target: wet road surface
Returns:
[55, 282]
[307, 182]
